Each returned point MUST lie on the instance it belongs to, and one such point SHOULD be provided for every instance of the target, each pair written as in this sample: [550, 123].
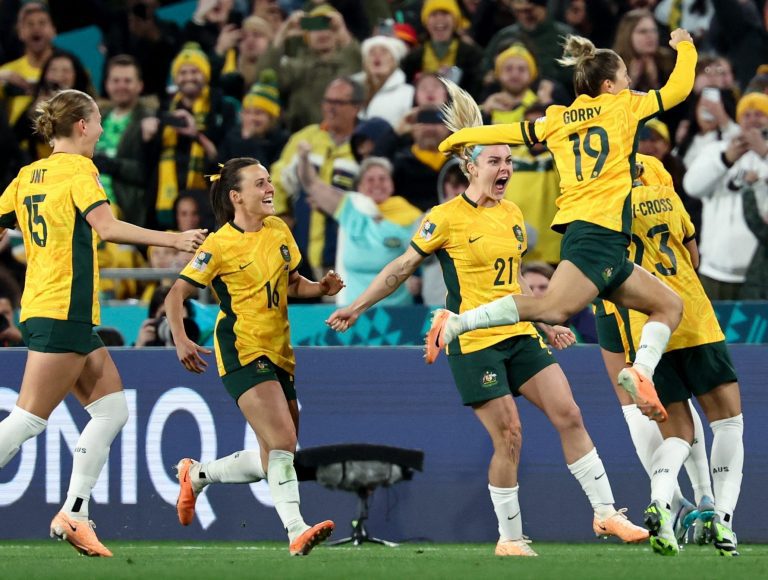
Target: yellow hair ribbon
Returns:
[215, 176]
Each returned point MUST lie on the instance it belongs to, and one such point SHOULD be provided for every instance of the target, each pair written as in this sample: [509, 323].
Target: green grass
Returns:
[221, 560]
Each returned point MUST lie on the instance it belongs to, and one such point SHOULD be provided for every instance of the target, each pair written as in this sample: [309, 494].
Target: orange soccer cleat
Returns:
[310, 538]
[435, 336]
[643, 393]
[520, 547]
[185, 504]
[80, 534]
[618, 525]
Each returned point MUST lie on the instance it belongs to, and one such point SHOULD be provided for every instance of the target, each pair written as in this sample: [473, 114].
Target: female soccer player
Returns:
[479, 238]
[696, 363]
[251, 262]
[592, 144]
[57, 203]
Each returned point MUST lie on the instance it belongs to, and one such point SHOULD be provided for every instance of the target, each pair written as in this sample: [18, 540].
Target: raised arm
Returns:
[110, 229]
[384, 284]
[512, 133]
[323, 196]
[680, 82]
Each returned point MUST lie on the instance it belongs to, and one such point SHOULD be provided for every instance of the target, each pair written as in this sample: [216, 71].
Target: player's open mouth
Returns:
[267, 201]
[501, 183]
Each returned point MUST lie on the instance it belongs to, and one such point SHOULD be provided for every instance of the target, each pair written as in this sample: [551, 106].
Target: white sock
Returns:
[108, 415]
[507, 508]
[697, 464]
[644, 433]
[591, 475]
[727, 463]
[653, 343]
[15, 429]
[667, 461]
[284, 486]
[500, 312]
[241, 467]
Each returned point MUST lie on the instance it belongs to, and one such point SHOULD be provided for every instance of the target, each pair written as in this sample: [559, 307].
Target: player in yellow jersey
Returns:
[696, 363]
[251, 262]
[58, 203]
[592, 142]
[479, 239]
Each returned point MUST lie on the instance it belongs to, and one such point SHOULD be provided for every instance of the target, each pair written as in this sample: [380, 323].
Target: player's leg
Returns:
[549, 390]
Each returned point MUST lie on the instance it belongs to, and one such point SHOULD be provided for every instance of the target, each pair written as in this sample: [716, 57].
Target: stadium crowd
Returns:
[341, 101]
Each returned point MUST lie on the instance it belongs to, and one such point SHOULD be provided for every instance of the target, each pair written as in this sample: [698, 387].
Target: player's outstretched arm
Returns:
[512, 133]
[384, 284]
[680, 82]
[187, 351]
[300, 287]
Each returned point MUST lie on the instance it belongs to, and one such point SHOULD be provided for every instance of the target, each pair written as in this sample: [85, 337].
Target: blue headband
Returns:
[476, 152]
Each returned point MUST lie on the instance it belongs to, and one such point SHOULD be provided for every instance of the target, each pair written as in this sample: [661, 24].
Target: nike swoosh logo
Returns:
[513, 517]
[74, 528]
[284, 482]
[473, 240]
[248, 264]
[599, 476]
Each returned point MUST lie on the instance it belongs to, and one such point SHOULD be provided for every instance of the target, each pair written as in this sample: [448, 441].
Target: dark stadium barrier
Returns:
[348, 395]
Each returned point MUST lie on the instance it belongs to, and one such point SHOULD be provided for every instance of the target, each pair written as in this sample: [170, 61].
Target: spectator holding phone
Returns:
[216, 26]
[238, 74]
[719, 176]
[328, 51]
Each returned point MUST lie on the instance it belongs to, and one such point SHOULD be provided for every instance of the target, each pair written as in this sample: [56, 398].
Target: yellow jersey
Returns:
[19, 103]
[49, 200]
[660, 229]
[249, 273]
[479, 249]
[593, 141]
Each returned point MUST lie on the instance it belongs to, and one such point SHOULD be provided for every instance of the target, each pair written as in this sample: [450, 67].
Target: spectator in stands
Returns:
[538, 32]
[375, 225]
[739, 34]
[188, 211]
[237, 75]
[271, 11]
[534, 171]
[120, 155]
[215, 26]
[429, 90]
[718, 176]
[374, 136]
[155, 331]
[444, 52]
[152, 42]
[692, 15]
[259, 133]
[537, 275]
[515, 72]
[417, 166]
[19, 77]
[329, 52]
[387, 94]
[332, 157]
[186, 137]
[593, 19]
[756, 215]
[637, 43]
[711, 120]
[10, 335]
[162, 259]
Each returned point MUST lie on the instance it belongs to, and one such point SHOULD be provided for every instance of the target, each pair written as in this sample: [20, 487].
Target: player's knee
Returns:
[112, 407]
[674, 308]
[513, 439]
[568, 418]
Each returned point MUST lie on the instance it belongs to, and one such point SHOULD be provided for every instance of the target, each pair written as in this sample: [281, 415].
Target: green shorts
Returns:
[500, 369]
[693, 371]
[608, 334]
[259, 371]
[59, 336]
[600, 254]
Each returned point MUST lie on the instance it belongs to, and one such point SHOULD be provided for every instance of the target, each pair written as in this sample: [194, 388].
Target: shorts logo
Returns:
[518, 231]
[285, 253]
[490, 379]
[200, 262]
[262, 367]
[607, 273]
[427, 229]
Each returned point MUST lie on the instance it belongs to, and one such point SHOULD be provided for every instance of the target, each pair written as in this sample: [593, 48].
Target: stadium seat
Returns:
[359, 468]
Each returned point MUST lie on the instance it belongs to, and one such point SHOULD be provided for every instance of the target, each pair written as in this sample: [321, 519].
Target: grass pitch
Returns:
[211, 560]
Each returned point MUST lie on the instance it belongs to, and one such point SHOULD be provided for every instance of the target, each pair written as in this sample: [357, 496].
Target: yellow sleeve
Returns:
[524, 132]
[204, 266]
[689, 230]
[680, 82]
[433, 233]
[8, 205]
[87, 191]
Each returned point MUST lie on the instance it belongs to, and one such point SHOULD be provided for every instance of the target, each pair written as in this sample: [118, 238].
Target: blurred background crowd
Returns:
[341, 99]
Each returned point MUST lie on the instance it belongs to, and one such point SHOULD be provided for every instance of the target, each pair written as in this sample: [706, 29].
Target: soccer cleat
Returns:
[618, 525]
[521, 547]
[706, 511]
[311, 537]
[658, 521]
[643, 394]
[80, 534]
[684, 519]
[723, 537]
[436, 336]
[185, 504]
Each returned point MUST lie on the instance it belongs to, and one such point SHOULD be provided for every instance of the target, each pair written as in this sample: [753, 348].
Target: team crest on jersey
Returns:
[427, 229]
[262, 367]
[607, 273]
[285, 253]
[518, 231]
[490, 379]
[200, 262]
